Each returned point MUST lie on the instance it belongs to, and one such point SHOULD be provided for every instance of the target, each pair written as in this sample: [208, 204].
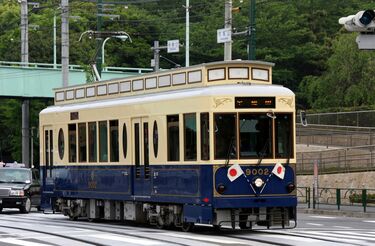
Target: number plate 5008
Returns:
[257, 171]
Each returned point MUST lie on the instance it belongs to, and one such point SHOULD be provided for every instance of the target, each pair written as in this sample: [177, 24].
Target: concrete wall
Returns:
[360, 180]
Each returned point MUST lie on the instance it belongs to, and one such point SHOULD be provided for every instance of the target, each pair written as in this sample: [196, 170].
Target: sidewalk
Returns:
[345, 211]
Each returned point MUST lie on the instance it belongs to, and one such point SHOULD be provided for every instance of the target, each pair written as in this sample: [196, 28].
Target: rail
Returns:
[359, 200]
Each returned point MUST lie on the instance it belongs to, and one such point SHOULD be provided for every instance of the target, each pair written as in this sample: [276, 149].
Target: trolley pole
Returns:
[228, 25]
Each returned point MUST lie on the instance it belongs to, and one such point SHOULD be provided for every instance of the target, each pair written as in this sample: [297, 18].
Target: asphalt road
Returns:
[37, 229]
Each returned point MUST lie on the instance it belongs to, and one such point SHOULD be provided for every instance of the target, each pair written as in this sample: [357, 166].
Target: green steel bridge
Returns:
[37, 80]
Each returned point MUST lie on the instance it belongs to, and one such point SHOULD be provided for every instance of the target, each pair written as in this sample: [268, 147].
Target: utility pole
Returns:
[54, 42]
[25, 102]
[65, 42]
[228, 25]
[99, 40]
[187, 46]
[252, 31]
[24, 34]
[156, 55]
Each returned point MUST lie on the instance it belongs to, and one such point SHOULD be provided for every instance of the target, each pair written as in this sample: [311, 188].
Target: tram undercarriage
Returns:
[171, 215]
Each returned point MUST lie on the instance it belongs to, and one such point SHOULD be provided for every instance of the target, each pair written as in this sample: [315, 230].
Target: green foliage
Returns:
[302, 37]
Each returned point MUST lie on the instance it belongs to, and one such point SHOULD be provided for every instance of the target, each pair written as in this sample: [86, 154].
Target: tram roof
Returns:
[206, 74]
[238, 90]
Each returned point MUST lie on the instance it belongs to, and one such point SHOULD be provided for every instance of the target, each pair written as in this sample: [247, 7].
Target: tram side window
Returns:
[225, 135]
[205, 136]
[103, 141]
[255, 136]
[93, 156]
[284, 136]
[82, 142]
[173, 138]
[190, 137]
[114, 145]
[72, 129]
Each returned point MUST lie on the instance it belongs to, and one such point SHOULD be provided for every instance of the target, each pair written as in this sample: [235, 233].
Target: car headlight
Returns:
[17, 193]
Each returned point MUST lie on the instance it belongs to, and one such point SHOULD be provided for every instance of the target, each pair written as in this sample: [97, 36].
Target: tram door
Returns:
[141, 164]
[47, 180]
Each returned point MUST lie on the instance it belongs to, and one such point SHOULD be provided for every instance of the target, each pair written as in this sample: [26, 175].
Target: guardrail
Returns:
[361, 200]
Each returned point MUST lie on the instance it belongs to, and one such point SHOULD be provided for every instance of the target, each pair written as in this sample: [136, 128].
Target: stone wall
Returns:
[360, 180]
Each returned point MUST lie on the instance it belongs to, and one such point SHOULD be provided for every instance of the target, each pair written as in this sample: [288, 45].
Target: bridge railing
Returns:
[72, 67]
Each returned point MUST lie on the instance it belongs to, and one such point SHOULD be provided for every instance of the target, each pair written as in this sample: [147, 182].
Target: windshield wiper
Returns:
[262, 153]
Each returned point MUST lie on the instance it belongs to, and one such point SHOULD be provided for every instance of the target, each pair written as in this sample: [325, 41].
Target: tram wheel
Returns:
[187, 226]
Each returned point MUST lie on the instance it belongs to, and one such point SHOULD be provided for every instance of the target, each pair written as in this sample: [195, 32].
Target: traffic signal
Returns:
[363, 21]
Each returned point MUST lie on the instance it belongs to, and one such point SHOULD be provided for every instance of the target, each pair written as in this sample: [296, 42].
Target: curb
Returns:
[337, 213]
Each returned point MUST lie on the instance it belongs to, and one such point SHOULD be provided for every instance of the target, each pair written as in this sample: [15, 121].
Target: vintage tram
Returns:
[210, 144]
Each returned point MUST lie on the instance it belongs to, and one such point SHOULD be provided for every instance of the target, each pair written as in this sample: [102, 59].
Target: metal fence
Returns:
[356, 118]
[341, 160]
[335, 135]
[360, 200]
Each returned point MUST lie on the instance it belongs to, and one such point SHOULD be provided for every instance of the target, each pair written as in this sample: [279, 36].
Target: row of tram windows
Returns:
[236, 136]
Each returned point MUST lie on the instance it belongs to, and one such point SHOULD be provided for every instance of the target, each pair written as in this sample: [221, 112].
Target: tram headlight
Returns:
[258, 182]
[220, 188]
[291, 187]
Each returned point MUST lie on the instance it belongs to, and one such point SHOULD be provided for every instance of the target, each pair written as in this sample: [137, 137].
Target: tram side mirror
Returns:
[303, 117]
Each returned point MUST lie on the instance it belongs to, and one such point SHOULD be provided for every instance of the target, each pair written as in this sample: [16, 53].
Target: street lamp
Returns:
[121, 37]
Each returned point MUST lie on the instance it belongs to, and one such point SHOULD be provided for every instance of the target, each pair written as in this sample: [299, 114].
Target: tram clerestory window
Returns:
[190, 137]
[72, 130]
[103, 141]
[225, 136]
[284, 136]
[173, 138]
[255, 136]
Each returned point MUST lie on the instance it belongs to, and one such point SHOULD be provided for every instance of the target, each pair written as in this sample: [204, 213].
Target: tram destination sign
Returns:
[255, 102]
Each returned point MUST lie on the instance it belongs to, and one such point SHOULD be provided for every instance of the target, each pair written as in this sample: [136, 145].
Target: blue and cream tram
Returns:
[209, 144]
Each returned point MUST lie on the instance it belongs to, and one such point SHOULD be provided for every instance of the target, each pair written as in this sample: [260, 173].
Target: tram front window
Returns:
[255, 132]
[225, 136]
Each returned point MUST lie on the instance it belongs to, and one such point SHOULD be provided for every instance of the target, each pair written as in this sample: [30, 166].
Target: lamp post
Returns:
[121, 37]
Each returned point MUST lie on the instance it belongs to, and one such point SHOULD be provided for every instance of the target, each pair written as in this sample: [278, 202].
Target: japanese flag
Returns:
[234, 172]
[279, 170]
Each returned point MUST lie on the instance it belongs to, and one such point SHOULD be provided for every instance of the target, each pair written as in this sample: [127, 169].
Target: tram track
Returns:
[101, 230]
[111, 228]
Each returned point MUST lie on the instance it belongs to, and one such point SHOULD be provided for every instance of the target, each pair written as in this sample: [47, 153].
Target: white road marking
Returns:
[338, 238]
[126, 239]
[291, 237]
[323, 217]
[343, 227]
[368, 221]
[314, 224]
[22, 242]
[206, 238]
